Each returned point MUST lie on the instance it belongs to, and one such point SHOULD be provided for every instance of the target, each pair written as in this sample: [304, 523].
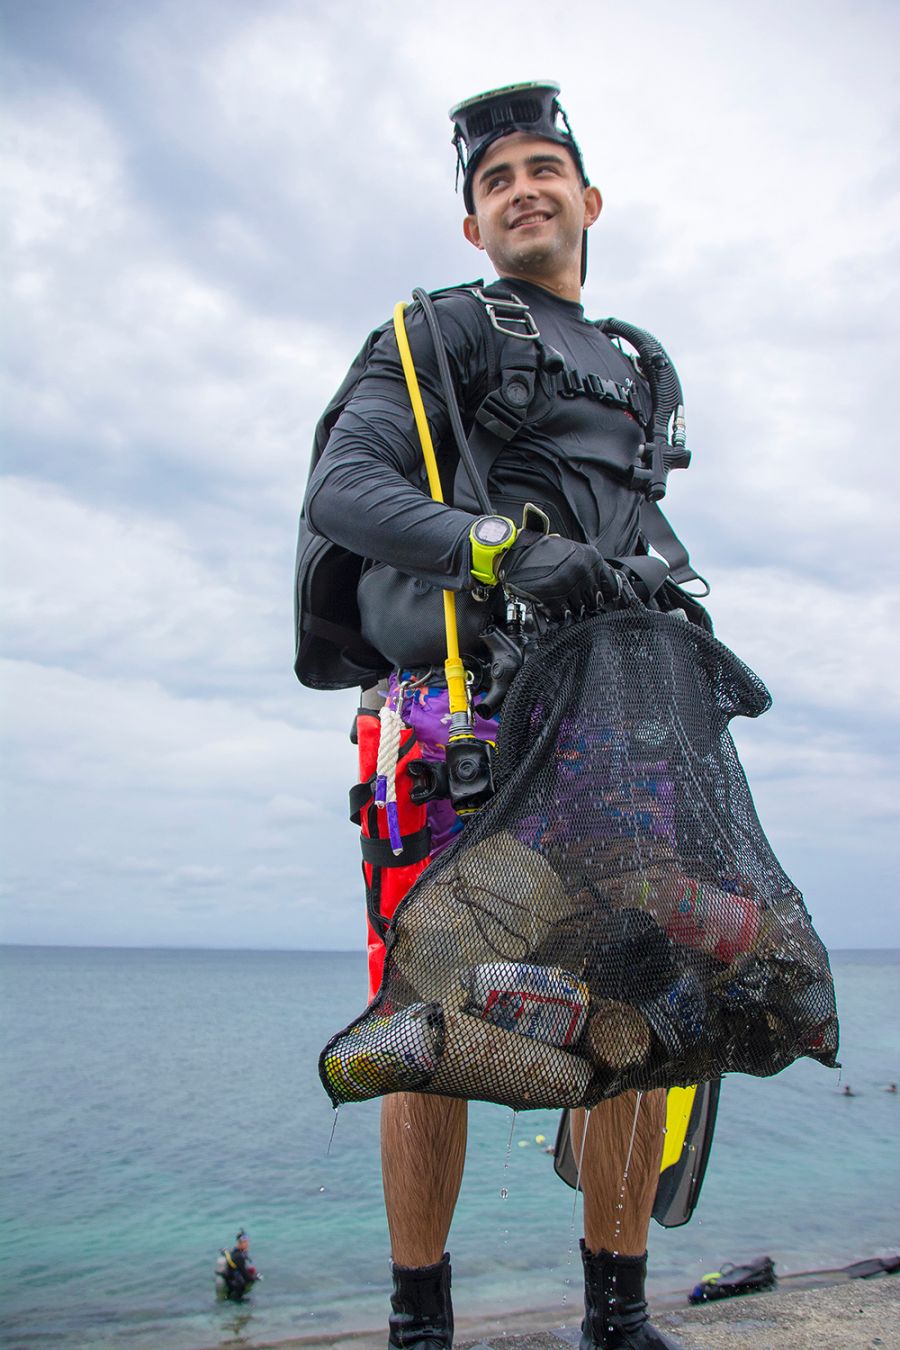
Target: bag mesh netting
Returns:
[614, 918]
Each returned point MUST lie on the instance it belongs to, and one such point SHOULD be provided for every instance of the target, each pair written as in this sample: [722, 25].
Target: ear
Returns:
[472, 232]
[593, 205]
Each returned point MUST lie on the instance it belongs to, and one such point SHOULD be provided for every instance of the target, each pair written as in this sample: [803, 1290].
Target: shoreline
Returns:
[808, 1310]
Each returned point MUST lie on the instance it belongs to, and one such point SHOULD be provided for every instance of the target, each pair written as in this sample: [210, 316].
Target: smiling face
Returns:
[531, 209]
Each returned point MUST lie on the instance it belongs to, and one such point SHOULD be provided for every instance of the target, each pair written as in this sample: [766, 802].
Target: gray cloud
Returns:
[213, 203]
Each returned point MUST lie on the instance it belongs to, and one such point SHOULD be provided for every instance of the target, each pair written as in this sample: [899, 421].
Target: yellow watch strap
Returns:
[484, 556]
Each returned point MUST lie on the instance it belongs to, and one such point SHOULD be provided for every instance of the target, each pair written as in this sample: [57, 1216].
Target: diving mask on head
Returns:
[532, 108]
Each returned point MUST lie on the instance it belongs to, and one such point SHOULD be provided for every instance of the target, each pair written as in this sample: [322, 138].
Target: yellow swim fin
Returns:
[690, 1125]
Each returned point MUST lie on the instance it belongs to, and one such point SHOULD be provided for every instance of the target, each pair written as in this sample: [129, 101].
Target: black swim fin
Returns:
[690, 1124]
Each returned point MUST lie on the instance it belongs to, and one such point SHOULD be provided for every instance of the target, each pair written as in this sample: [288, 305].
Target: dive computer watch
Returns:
[490, 537]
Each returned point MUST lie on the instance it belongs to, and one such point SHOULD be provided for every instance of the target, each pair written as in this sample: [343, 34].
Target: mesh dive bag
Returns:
[614, 918]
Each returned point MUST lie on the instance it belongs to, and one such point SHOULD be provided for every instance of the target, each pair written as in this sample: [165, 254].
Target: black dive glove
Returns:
[559, 575]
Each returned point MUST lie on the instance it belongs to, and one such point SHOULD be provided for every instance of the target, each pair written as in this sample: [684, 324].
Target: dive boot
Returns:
[615, 1310]
[422, 1314]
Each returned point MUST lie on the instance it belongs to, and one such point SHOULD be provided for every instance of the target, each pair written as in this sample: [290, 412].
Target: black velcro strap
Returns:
[373, 904]
[376, 919]
[658, 532]
[345, 639]
[359, 794]
[378, 852]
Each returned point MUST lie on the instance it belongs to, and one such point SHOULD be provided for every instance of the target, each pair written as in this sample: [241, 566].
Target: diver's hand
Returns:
[559, 575]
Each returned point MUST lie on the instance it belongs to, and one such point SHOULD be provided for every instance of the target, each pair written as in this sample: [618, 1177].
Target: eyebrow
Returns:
[531, 161]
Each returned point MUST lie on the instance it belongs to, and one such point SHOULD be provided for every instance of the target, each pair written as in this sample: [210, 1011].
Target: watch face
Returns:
[492, 530]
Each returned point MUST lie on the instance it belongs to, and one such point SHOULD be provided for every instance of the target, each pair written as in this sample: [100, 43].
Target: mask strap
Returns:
[460, 161]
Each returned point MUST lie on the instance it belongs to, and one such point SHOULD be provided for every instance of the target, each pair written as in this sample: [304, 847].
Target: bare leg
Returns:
[603, 1164]
[423, 1149]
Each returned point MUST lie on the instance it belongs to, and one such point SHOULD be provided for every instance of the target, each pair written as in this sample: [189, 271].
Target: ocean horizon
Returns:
[161, 1098]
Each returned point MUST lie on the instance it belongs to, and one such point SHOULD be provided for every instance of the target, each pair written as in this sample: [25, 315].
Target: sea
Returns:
[156, 1101]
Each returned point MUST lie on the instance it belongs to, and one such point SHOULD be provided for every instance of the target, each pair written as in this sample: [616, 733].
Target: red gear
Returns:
[387, 884]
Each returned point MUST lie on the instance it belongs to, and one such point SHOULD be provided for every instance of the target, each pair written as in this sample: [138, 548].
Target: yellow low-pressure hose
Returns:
[454, 669]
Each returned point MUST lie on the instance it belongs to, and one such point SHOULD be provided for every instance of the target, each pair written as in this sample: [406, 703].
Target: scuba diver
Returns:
[234, 1272]
[557, 416]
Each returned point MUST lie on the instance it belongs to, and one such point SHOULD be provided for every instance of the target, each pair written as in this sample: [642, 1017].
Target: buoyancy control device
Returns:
[331, 651]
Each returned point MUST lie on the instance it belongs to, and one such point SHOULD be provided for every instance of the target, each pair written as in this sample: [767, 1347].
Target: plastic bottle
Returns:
[697, 914]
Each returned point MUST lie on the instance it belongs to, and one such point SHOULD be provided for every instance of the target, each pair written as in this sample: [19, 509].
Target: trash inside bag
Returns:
[614, 917]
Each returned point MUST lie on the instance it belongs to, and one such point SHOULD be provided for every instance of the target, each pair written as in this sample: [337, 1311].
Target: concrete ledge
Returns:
[850, 1315]
[854, 1315]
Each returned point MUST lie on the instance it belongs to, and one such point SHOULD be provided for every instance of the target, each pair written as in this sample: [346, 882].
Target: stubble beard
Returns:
[536, 257]
[540, 257]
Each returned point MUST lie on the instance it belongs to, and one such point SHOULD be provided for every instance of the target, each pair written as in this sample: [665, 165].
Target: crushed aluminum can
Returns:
[546, 1003]
[809, 1013]
[397, 1052]
[678, 1014]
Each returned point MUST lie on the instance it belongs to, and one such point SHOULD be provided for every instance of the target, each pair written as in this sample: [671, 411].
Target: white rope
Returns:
[388, 752]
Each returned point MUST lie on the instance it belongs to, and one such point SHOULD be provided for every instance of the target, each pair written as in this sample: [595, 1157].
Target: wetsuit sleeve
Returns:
[368, 492]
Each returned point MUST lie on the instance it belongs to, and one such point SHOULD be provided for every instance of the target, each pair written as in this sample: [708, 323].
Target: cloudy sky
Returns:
[211, 203]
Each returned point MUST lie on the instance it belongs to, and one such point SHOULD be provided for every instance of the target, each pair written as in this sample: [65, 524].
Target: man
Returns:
[529, 205]
[237, 1272]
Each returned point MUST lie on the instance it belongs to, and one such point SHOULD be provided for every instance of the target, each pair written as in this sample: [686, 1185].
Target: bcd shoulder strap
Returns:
[504, 411]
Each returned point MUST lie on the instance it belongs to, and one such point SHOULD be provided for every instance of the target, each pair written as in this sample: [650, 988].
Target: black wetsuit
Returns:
[368, 492]
[239, 1274]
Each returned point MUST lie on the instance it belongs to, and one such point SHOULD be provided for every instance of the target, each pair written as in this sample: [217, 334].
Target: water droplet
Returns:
[334, 1120]
[504, 1193]
[512, 1130]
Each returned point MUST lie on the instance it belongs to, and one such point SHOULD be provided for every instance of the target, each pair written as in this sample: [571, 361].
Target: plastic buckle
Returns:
[509, 312]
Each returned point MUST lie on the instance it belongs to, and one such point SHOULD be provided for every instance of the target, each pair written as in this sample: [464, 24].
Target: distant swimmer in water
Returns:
[234, 1272]
[848, 1091]
[891, 1087]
